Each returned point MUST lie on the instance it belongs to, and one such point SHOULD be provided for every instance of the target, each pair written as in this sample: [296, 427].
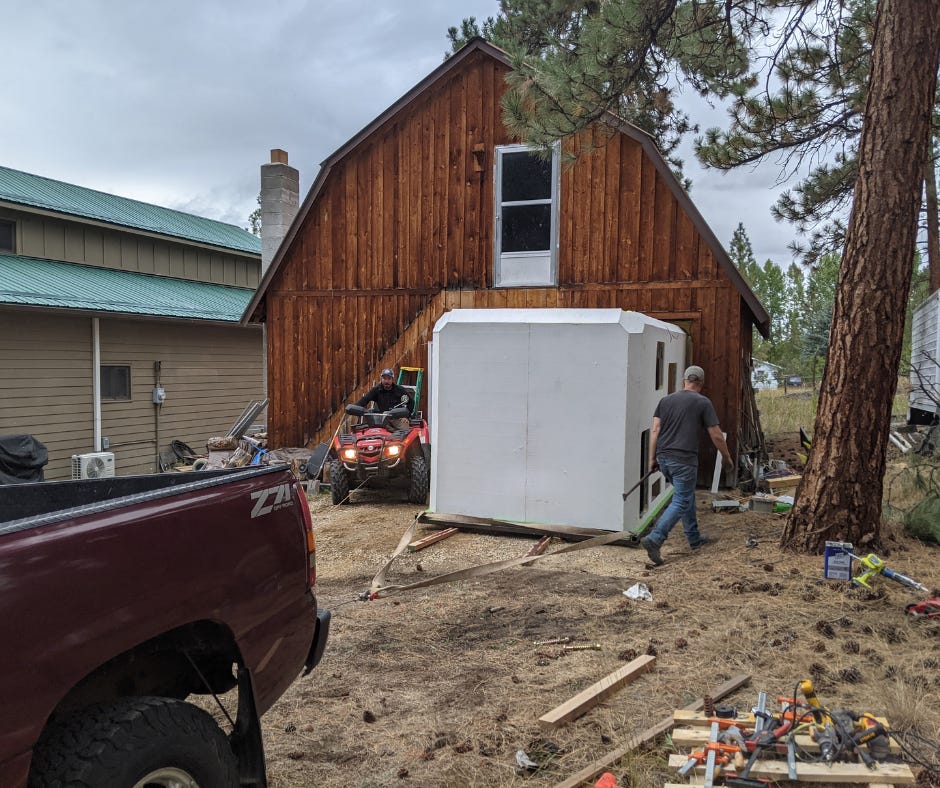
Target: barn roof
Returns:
[19, 188]
[761, 318]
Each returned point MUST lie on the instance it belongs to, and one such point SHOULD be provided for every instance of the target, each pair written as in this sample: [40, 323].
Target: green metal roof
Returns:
[25, 189]
[29, 281]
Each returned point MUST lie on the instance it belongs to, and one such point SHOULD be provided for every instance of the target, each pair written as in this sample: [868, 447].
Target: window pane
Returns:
[527, 228]
[6, 237]
[116, 382]
[526, 177]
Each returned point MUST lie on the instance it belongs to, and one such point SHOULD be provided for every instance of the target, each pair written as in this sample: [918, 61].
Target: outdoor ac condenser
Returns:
[95, 465]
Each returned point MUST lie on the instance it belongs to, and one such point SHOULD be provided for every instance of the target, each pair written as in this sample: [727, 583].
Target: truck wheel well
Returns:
[174, 664]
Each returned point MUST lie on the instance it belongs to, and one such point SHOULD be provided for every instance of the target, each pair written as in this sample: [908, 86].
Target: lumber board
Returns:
[692, 718]
[697, 737]
[648, 735]
[589, 698]
[426, 541]
[839, 772]
[485, 525]
[538, 548]
[782, 482]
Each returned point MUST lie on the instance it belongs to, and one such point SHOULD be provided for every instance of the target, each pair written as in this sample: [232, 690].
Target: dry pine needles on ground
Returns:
[443, 686]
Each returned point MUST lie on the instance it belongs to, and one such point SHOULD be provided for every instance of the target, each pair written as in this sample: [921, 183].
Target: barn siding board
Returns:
[402, 229]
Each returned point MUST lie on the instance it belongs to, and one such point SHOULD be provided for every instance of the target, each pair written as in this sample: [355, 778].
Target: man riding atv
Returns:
[386, 443]
[387, 395]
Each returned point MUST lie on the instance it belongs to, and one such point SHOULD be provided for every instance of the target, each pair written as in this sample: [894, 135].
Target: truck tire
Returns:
[420, 485]
[135, 743]
[339, 482]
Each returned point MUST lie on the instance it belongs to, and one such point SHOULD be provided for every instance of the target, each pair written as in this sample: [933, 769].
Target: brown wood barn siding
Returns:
[409, 211]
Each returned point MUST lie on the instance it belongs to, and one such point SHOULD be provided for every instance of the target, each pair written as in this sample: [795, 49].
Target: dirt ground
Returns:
[443, 686]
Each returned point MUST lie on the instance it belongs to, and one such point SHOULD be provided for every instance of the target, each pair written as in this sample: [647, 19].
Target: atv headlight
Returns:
[393, 451]
[349, 454]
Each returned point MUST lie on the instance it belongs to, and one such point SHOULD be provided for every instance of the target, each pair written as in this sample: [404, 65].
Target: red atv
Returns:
[378, 449]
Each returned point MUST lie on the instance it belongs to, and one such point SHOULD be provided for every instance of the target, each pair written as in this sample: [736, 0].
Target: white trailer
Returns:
[924, 399]
[543, 415]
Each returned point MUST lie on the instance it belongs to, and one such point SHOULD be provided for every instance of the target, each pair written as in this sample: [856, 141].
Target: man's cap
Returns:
[695, 374]
[389, 372]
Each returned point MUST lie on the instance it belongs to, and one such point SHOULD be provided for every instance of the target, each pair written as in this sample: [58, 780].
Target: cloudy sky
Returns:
[179, 102]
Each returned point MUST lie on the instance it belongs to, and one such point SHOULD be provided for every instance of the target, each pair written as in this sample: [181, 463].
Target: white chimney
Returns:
[280, 192]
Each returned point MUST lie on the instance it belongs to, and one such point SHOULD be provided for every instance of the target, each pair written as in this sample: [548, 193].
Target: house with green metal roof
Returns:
[119, 324]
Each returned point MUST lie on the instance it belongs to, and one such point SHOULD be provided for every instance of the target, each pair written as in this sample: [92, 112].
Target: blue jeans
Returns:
[682, 506]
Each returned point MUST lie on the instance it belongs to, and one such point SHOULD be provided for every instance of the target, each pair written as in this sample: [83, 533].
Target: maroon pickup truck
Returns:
[119, 598]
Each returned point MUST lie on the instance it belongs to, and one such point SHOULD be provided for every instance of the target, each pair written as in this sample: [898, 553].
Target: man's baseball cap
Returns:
[694, 373]
[389, 373]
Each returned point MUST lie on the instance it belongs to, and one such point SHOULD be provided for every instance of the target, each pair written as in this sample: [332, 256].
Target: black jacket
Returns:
[386, 399]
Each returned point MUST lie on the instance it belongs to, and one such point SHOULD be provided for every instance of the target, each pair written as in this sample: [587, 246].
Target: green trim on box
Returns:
[34, 190]
[30, 281]
[653, 514]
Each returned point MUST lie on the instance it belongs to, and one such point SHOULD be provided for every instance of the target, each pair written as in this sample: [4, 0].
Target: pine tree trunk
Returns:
[840, 494]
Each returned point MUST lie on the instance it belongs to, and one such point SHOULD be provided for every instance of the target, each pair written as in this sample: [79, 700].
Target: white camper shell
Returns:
[543, 415]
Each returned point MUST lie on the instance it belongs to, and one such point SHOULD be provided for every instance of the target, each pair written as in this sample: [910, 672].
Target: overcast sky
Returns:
[179, 102]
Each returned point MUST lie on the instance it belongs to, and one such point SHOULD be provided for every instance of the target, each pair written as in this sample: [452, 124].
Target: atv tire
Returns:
[339, 482]
[420, 485]
[135, 741]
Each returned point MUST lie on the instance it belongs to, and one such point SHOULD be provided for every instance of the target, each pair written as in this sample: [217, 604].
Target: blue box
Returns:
[837, 561]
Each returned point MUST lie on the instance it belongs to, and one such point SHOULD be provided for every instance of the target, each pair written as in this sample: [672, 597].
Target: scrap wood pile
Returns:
[803, 742]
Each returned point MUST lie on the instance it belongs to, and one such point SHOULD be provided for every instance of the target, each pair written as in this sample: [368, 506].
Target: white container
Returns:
[543, 415]
[925, 362]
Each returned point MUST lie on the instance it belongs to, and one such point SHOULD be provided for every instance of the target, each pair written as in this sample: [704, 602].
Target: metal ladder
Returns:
[412, 379]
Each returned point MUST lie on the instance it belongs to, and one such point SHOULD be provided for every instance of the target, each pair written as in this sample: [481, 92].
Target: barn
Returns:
[434, 206]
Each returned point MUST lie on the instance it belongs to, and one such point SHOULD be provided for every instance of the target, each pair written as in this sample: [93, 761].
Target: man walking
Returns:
[674, 450]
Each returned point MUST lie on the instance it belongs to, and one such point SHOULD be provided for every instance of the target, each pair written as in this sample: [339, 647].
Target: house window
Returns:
[526, 217]
[116, 382]
[7, 236]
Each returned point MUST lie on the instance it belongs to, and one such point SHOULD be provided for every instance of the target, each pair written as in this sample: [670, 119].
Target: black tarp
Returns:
[22, 459]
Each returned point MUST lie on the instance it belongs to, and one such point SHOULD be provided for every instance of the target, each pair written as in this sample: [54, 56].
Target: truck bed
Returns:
[43, 503]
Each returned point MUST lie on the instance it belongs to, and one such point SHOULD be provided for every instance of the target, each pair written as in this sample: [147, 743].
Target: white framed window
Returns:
[527, 190]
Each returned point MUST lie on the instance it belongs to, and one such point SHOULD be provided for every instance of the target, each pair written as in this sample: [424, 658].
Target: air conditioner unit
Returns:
[95, 465]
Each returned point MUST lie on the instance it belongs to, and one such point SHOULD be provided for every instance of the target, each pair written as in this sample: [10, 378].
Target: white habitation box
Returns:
[543, 415]
[924, 399]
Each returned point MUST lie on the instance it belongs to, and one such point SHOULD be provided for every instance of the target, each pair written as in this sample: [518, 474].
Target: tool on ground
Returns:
[714, 753]
[551, 641]
[606, 780]
[874, 566]
[927, 608]
[582, 647]
[760, 741]
[642, 479]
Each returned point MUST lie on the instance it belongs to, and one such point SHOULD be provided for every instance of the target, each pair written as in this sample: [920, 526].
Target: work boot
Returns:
[652, 550]
[702, 542]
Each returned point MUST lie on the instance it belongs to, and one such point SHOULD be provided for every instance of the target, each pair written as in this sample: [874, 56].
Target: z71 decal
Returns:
[271, 499]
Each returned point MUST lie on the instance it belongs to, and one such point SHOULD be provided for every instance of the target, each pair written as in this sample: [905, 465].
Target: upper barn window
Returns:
[526, 217]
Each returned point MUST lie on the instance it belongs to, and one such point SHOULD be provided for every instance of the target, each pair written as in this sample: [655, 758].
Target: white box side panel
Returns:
[643, 395]
[925, 355]
[577, 404]
[479, 394]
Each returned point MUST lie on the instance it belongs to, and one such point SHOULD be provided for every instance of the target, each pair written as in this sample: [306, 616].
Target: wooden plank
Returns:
[540, 547]
[696, 737]
[783, 482]
[838, 772]
[420, 544]
[689, 719]
[654, 732]
[587, 699]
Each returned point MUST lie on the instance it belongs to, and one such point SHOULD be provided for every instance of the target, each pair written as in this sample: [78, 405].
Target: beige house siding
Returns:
[74, 242]
[209, 372]
[46, 383]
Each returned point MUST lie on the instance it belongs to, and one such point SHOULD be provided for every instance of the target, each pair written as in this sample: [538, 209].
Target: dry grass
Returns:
[442, 686]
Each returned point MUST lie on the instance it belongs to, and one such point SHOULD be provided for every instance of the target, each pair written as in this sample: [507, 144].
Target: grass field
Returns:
[783, 412]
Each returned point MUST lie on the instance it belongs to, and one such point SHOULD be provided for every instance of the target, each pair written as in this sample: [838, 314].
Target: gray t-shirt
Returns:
[682, 415]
